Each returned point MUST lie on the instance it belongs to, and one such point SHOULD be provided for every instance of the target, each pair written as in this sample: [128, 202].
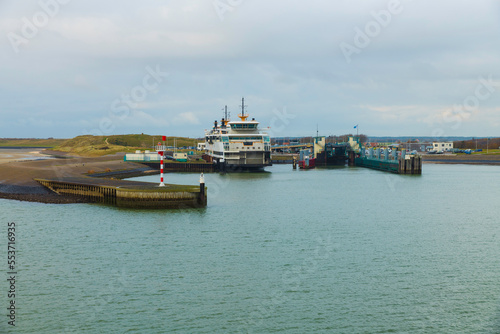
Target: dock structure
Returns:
[129, 194]
[398, 162]
[180, 166]
[153, 160]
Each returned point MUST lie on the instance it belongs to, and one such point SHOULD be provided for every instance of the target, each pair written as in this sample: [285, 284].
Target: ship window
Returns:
[225, 139]
[243, 126]
[245, 138]
[266, 139]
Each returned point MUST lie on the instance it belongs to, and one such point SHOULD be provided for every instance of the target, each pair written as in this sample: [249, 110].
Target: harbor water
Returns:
[334, 250]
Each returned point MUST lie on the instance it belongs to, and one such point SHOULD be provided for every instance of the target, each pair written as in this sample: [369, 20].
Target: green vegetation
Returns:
[146, 141]
[481, 143]
[30, 142]
[483, 152]
[103, 145]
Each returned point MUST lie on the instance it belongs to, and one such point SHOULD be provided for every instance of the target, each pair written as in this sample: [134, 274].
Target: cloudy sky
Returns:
[73, 67]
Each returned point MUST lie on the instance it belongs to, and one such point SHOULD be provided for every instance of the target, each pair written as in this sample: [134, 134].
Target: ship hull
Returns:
[241, 161]
[311, 163]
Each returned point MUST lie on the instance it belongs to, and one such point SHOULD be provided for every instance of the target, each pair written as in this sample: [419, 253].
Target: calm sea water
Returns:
[342, 250]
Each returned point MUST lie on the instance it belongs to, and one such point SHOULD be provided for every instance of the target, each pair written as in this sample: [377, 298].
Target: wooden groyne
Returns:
[129, 194]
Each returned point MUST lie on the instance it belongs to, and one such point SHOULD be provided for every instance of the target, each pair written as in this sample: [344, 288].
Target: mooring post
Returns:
[202, 189]
[352, 158]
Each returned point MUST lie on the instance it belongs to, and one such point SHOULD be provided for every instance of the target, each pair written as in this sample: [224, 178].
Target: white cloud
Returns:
[186, 118]
[274, 53]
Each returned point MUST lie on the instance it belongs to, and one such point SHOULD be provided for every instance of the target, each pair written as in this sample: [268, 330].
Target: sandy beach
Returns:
[10, 155]
[17, 171]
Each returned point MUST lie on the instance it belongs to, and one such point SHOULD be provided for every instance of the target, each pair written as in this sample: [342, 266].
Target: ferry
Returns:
[238, 145]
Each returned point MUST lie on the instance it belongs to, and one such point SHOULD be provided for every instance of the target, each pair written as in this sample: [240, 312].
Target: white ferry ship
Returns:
[236, 145]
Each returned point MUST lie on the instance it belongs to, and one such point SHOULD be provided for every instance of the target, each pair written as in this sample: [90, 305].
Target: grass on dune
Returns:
[103, 145]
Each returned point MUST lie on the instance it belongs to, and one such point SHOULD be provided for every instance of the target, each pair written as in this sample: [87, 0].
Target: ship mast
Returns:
[225, 118]
[242, 115]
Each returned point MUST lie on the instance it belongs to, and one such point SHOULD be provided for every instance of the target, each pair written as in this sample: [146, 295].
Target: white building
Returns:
[442, 146]
[180, 156]
[201, 147]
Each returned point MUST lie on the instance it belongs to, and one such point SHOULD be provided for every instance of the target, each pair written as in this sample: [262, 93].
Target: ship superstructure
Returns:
[238, 144]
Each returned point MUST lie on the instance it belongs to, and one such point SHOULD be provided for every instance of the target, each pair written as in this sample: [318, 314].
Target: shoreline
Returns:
[473, 159]
[16, 176]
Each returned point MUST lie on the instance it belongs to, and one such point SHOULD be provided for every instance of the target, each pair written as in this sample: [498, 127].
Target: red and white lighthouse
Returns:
[161, 151]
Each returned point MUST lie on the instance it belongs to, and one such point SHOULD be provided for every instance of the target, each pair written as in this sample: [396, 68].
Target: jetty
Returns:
[129, 194]
[398, 162]
[389, 161]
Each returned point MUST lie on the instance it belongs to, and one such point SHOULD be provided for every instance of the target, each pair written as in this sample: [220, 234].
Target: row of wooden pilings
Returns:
[93, 193]
[412, 166]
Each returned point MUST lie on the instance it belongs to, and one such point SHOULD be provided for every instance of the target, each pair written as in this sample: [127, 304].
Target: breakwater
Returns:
[129, 194]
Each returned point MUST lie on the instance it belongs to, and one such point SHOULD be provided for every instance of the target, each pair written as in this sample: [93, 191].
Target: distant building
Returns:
[442, 146]
[201, 147]
[180, 156]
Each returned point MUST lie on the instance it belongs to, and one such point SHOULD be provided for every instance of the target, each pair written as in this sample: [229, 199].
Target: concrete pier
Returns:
[129, 194]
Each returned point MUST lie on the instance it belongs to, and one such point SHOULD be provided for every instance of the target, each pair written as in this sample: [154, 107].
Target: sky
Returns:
[163, 67]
